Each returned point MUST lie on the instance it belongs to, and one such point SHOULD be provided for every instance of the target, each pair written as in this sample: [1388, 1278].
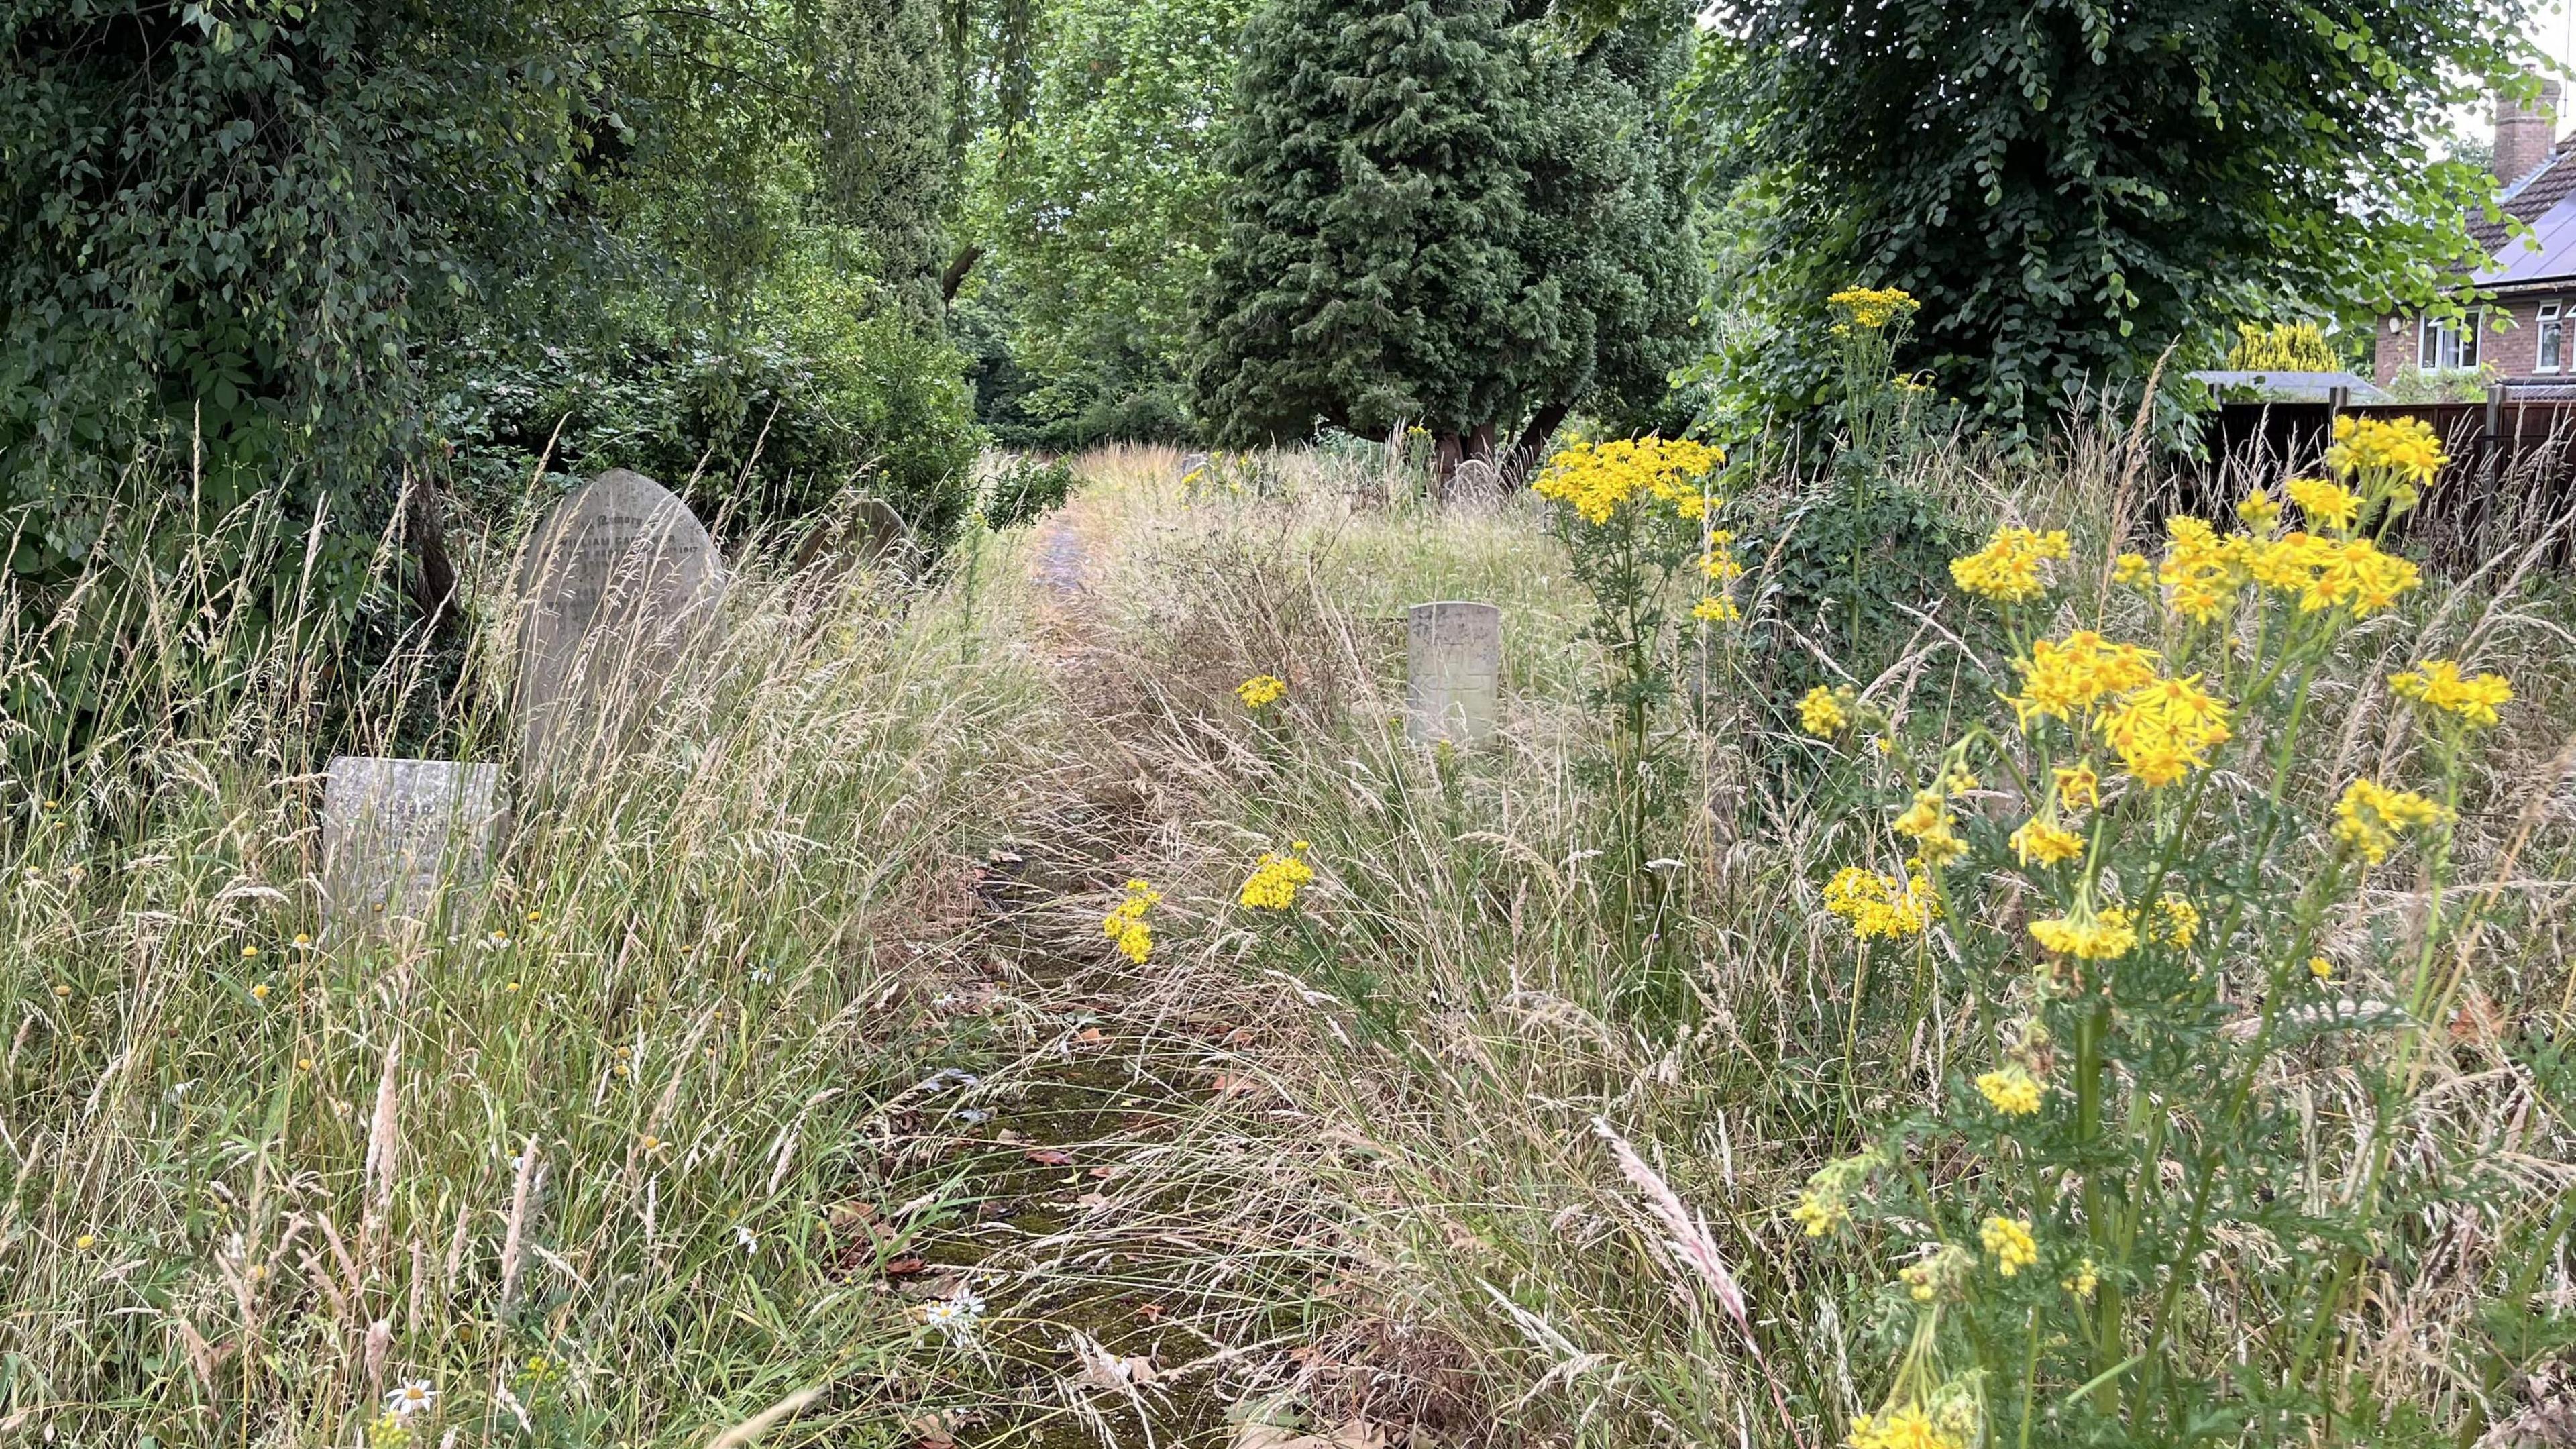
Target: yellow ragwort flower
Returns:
[2012, 1089]
[1927, 823]
[2078, 787]
[2327, 505]
[2010, 1241]
[2201, 571]
[2083, 1280]
[2165, 730]
[2438, 684]
[2087, 935]
[1273, 884]
[1905, 1427]
[2007, 569]
[1595, 479]
[2046, 842]
[2402, 453]
[1881, 905]
[2174, 921]
[1825, 713]
[2370, 817]
[1871, 308]
[1261, 691]
[2132, 571]
[2062, 679]
[1126, 924]
[2260, 510]
[1717, 609]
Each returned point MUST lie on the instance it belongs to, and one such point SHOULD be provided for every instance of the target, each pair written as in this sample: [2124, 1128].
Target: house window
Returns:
[2449, 346]
[2553, 333]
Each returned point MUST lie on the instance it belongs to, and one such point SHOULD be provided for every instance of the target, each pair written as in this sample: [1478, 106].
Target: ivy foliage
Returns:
[2071, 187]
[1445, 213]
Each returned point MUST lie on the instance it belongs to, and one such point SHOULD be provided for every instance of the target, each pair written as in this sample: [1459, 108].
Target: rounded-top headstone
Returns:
[1473, 481]
[1192, 465]
[1454, 672]
[617, 584]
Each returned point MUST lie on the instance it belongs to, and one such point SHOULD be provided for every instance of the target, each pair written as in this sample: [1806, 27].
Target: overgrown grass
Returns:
[624, 1154]
[1464, 1011]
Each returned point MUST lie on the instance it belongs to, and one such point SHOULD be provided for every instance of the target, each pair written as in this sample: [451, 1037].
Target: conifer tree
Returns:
[1437, 218]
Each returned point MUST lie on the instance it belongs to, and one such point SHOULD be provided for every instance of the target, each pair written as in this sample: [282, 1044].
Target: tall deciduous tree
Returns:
[2070, 186]
[1446, 216]
[1103, 205]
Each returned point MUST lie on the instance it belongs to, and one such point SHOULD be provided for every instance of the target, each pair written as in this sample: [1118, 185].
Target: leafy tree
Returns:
[1447, 216]
[1102, 208]
[230, 226]
[2069, 187]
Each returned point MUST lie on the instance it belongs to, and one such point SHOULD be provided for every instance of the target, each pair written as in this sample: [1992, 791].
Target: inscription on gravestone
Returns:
[1454, 672]
[616, 585]
[400, 836]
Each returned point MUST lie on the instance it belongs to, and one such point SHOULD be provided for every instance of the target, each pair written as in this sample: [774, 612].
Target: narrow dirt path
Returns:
[1105, 1300]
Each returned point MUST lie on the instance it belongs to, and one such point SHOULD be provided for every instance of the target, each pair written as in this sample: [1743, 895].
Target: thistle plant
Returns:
[1640, 513]
[2157, 900]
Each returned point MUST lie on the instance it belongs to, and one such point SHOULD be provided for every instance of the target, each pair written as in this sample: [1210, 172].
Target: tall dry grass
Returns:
[1454, 1012]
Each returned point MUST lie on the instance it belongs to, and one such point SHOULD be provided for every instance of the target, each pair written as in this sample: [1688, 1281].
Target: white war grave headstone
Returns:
[400, 837]
[1454, 672]
[617, 585]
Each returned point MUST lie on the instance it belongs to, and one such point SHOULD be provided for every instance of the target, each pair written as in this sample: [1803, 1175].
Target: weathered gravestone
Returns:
[1192, 465]
[618, 583]
[1473, 481]
[870, 533]
[882, 532]
[399, 837]
[1454, 672]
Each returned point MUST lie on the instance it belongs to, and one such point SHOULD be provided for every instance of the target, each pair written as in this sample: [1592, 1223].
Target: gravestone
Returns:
[617, 584]
[869, 533]
[399, 837]
[1473, 481]
[1454, 672]
[881, 531]
[1192, 465]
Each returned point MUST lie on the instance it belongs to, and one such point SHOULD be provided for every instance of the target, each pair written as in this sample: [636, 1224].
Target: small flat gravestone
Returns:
[617, 584]
[1454, 672]
[399, 837]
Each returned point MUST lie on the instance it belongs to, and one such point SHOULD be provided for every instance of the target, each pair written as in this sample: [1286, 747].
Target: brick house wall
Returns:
[2509, 342]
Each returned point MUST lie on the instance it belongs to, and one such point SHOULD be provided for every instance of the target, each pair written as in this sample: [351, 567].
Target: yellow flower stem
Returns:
[2030, 1376]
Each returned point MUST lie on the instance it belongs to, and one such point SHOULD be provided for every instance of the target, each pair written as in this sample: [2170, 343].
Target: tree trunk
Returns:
[1447, 452]
[434, 590]
[955, 277]
[1522, 461]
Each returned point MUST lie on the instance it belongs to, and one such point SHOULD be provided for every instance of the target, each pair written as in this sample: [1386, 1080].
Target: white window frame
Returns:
[2449, 346]
[2549, 350]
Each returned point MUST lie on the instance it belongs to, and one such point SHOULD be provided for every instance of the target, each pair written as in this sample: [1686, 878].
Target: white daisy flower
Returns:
[415, 1396]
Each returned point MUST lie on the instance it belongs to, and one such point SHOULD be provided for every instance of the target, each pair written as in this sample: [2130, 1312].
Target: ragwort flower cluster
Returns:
[2135, 925]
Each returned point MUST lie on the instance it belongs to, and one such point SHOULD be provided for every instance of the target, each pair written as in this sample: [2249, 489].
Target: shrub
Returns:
[762, 428]
[2282, 347]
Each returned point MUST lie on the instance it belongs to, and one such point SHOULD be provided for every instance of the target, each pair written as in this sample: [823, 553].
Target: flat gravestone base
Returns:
[401, 838]
[1453, 672]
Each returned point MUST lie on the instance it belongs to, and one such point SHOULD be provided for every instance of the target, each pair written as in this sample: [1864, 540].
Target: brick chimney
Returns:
[2524, 132]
